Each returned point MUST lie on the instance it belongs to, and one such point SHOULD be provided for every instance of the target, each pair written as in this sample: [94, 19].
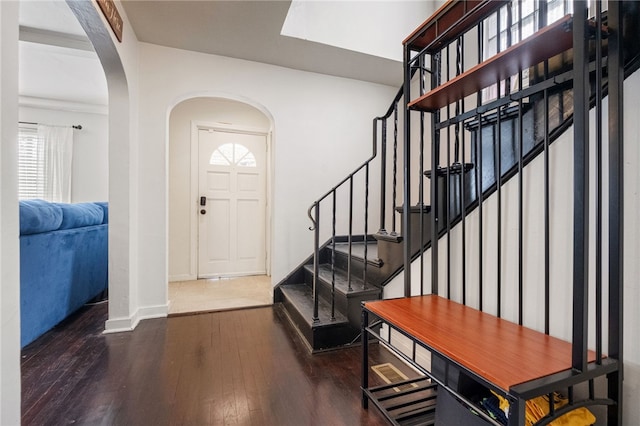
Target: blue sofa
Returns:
[63, 261]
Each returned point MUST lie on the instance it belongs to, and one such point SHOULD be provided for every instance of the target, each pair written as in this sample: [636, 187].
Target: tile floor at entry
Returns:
[208, 295]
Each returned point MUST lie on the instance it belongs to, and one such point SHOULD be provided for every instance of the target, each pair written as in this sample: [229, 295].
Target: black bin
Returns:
[451, 412]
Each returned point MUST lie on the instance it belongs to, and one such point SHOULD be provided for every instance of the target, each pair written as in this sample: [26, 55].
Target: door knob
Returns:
[203, 211]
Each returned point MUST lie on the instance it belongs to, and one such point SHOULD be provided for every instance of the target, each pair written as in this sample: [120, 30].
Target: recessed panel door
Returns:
[232, 207]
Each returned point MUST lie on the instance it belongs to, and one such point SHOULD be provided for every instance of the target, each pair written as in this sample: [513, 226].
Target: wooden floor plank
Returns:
[243, 367]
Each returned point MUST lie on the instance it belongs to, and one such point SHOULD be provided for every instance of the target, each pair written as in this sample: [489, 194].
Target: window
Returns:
[233, 154]
[45, 162]
[525, 20]
[30, 171]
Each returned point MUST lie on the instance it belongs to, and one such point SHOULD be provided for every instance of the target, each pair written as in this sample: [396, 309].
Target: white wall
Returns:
[208, 110]
[9, 248]
[90, 176]
[631, 249]
[561, 272]
[322, 129]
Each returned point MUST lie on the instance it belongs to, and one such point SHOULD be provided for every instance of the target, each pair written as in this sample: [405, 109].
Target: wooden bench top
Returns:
[501, 352]
[545, 44]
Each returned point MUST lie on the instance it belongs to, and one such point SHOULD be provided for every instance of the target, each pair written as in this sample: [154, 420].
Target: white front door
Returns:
[231, 210]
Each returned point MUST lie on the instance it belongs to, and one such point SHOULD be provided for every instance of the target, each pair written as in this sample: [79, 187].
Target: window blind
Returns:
[30, 164]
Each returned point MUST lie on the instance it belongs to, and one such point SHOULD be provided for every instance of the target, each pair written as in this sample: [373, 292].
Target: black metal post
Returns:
[499, 173]
[520, 189]
[520, 208]
[462, 161]
[365, 357]
[316, 261]
[581, 187]
[547, 227]
[395, 163]
[333, 260]
[616, 206]
[479, 189]
[406, 222]
[598, 201]
[446, 198]
[350, 237]
[366, 225]
[421, 181]
[499, 213]
[383, 172]
[435, 197]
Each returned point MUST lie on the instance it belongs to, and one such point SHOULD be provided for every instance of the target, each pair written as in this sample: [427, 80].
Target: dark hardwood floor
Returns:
[244, 367]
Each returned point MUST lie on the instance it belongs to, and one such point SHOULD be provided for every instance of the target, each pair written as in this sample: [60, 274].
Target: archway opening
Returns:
[219, 223]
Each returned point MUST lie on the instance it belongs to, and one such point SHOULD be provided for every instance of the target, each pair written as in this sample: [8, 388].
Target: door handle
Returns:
[203, 201]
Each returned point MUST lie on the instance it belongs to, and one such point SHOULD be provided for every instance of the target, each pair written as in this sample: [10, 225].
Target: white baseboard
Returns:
[119, 325]
[150, 312]
[182, 277]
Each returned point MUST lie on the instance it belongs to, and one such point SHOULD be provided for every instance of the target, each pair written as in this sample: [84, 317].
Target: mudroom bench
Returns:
[468, 348]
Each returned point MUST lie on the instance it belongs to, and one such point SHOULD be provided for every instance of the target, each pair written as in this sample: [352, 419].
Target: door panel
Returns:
[218, 181]
[219, 225]
[248, 214]
[232, 172]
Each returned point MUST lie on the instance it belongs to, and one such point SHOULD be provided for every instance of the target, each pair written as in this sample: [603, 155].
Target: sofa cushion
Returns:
[38, 216]
[80, 214]
[105, 210]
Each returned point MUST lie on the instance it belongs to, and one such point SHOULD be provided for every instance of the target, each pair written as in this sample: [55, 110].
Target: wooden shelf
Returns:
[499, 351]
[546, 43]
[450, 21]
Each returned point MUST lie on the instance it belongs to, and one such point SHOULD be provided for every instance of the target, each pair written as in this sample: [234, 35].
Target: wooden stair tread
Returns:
[301, 296]
[357, 250]
[501, 352]
[357, 289]
[389, 237]
[544, 44]
[415, 209]
[454, 169]
[450, 21]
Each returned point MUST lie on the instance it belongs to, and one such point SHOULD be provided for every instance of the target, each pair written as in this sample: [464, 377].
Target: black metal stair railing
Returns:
[314, 209]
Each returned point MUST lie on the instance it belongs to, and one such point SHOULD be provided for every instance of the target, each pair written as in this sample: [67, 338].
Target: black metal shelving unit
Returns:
[591, 57]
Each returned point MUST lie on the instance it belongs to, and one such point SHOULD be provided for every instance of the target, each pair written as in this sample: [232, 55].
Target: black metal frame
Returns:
[585, 69]
[517, 395]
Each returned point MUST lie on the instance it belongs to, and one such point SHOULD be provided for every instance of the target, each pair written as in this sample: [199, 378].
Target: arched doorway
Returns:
[119, 64]
[219, 219]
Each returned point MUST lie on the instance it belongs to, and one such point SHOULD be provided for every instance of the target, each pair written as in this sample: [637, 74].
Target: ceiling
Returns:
[58, 67]
[251, 30]
[57, 61]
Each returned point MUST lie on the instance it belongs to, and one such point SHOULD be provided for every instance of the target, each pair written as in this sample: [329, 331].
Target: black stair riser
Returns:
[348, 305]
[319, 336]
[324, 290]
[354, 307]
[299, 322]
[325, 285]
[357, 268]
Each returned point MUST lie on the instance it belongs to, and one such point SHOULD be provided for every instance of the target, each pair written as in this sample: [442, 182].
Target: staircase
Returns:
[336, 325]
[322, 297]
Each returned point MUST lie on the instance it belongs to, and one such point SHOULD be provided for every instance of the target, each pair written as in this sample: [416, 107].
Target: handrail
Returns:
[396, 99]
[314, 212]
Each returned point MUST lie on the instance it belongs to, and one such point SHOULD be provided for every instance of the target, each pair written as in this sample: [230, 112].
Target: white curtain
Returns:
[56, 155]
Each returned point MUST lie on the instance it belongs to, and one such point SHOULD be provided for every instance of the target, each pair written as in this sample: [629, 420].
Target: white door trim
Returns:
[194, 194]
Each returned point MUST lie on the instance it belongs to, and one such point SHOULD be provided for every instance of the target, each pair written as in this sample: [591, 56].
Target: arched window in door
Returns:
[233, 154]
